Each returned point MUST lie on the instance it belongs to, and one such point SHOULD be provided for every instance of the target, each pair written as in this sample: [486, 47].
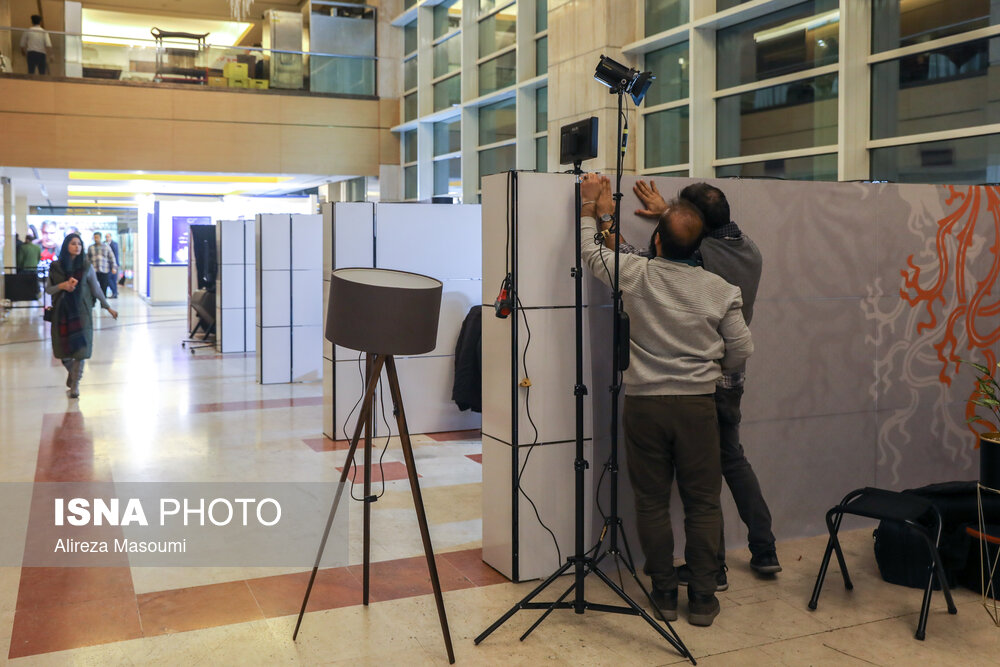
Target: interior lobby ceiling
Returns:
[217, 9]
[62, 187]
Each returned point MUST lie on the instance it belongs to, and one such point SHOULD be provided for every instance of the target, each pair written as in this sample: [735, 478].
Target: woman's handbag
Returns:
[47, 315]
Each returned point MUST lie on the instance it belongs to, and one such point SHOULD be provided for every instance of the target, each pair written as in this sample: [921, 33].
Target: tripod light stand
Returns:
[579, 143]
[383, 313]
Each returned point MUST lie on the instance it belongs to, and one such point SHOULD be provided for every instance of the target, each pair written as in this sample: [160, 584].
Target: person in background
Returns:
[114, 274]
[28, 255]
[35, 44]
[74, 287]
[103, 261]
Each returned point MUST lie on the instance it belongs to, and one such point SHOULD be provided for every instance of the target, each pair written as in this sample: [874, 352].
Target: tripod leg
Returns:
[549, 611]
[676, 643]
[365, 409]
[525, 600]
[418, 502]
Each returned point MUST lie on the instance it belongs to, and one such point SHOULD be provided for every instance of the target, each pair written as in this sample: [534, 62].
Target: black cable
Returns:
[534, 443]
[347, 437]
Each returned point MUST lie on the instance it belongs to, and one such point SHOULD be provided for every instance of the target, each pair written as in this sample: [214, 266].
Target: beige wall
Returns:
[63, 124]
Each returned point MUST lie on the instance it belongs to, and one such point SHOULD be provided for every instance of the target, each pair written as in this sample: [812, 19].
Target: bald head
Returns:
[680, 230]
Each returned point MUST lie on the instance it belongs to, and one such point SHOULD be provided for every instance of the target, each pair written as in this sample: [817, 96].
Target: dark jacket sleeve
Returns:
[467, 391]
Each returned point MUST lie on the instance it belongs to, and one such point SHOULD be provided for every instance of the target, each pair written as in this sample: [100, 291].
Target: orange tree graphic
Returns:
[972, 300]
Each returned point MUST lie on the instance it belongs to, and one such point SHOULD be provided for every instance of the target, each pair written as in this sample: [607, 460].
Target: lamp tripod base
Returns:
[374, 364]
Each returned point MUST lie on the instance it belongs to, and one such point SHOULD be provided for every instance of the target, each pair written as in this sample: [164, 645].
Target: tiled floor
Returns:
[150, 411]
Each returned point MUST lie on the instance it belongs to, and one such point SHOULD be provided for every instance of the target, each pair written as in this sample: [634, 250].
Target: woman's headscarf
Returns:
[72, 265]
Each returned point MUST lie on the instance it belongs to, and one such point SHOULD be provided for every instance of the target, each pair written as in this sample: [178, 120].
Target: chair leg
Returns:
[833, 525]
[831, 545]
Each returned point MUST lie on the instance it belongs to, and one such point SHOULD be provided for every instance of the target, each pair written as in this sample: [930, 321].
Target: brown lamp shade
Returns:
[383, 311]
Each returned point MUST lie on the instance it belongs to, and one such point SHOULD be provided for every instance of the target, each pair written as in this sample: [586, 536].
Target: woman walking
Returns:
[73, 286]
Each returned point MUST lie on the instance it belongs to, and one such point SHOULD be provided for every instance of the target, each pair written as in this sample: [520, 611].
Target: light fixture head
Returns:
[622, 79]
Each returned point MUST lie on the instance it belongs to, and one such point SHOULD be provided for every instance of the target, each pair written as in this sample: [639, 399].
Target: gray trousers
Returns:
[665, 435]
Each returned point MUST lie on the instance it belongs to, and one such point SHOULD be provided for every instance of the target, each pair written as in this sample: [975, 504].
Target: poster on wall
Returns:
[181, 238]
[50, 230]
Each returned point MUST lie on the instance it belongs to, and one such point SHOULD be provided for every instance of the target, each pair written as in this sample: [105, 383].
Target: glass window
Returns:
[943, 89]
[409, 3]
[497, 31]
[791, 40]
[670, 65]
[497, 122]
[495, 160]
[448, 92]
[666, 135]
[683, 173]
[410, 37]
[542, 109]
[541, 56]
[448, 56]
[541, 15]
[542, 154]
[410, 182]
[898, 23]
[665, 14]
[410, 146]
[409, 107]
[498, 73]
[793, 115]
[448, 177]
[809, 168]
[487, 6]
[447, 136]
[722, 5]
[969, 160]
[447, 17]
[410, 73]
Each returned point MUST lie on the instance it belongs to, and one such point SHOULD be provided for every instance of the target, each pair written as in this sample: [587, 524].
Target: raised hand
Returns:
[652, 201]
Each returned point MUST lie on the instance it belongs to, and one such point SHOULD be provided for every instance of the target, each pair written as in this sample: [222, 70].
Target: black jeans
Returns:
[664, 434]
[740, 477]
[37, 61]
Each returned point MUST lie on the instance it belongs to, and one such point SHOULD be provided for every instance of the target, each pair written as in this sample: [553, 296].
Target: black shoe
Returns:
[721, 582]
[765, 563]
[702, 608]
[664, 603]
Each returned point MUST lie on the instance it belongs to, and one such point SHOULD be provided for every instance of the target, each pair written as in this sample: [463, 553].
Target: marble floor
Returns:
[151, 411]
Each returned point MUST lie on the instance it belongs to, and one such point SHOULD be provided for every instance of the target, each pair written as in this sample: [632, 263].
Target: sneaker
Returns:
[765, 563]
[721, 582]
[702, 608]
[664, 603]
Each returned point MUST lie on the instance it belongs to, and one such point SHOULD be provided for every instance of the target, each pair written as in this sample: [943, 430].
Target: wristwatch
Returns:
[606, 218]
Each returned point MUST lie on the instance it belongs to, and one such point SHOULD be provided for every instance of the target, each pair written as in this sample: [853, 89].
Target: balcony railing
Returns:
[172, 59]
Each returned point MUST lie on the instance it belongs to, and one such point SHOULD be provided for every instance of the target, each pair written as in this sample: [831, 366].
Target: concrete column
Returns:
[580, 31]
[21, 216]
[8, 224]
[854, 94]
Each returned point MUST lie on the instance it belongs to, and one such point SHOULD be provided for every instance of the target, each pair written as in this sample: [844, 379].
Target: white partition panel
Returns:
[235, 287]
[289, 295]
[442, 241]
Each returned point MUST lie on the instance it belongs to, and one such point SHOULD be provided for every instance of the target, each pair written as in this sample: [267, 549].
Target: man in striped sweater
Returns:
[686, 326]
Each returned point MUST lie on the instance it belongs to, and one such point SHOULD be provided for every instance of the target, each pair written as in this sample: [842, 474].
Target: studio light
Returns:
[620, 78]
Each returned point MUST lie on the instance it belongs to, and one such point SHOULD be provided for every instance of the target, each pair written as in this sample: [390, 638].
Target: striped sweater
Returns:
[686, 323]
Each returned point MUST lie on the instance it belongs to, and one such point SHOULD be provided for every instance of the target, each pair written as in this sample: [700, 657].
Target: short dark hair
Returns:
[36, 19]
[711, 201]
[29, 238]
[681, 228]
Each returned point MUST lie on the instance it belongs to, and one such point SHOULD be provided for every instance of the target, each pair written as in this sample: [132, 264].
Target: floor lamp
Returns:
[383, 313]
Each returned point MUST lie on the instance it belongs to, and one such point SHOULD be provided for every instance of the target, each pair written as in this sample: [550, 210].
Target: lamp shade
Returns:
[383, 311]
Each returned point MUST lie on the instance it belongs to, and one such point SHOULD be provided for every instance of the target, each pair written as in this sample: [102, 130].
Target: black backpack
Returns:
[899, 551]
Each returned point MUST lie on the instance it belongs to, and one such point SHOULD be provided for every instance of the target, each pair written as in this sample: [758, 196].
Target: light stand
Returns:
[582, 562]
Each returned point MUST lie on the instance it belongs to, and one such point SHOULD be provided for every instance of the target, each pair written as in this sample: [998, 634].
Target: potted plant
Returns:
[987, 395]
